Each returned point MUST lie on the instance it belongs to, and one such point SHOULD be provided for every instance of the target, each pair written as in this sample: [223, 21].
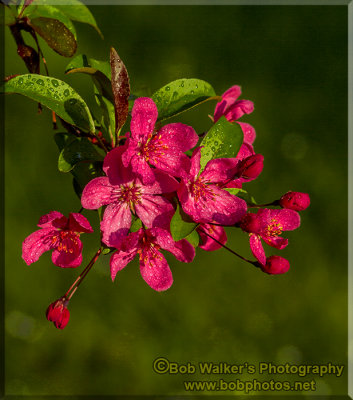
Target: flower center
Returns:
[65, 241]
[154, 147]
[129, 194]
[199, 189]
[148, 250]
[274, 228]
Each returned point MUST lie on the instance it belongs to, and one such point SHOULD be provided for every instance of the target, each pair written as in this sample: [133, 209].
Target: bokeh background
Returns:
[292, 62]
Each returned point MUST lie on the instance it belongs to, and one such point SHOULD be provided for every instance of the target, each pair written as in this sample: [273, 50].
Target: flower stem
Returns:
[80, 278]
[274, 203]
[229, 249]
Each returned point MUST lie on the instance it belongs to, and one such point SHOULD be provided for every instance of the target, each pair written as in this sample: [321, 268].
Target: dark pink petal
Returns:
[275, 241]
[115, 224]
[251, 167]
[164, 183]
[296, 201]
[172, 161]
[143, 118]
[113, 166]
[155, 270]
[257, 248]
[120, 260]
[79, 223]
[131, 149]
[154, 211]
[142, 169]
[178, 136]
[182, 249]
[97, 193]
[61, 322]
[52, 220]
[70, 256]
[246, 150]
[195, 162]
[228, 98]
[238, 109]
[36, 244]
[215, 231]
[232, 93]
[248, 131]
[220, 170]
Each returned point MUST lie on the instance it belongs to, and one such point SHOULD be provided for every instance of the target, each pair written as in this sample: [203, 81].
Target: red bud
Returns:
[295, 201]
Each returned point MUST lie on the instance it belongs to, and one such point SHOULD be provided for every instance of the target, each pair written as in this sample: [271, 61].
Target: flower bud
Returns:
[251, 167]
[295, 201]
[250, 223]
[275, 265]
[58, 313]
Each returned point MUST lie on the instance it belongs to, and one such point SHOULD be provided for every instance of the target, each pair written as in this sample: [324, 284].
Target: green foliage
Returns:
[136, 224]
[223, 140]
[55, 94]
[193, 238]
[243, 194]
[76, 151]
[85, 172]
[181, 225]
[181, 95]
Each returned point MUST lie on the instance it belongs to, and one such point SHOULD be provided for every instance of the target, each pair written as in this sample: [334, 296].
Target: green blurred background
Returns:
[292, 62]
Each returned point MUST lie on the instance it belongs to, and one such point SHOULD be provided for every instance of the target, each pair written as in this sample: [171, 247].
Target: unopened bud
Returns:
[295, 201]
[275, 265]
[251, 167]
[58, 313]
[250, 223]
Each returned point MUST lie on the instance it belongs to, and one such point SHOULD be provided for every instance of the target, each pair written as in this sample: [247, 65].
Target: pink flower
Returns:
[215, 231]
[275, 265]
[59, 234]
[268, 225]
[163, 149]
[232, 108]
[123, 193]
[153, 266]
[203, 199]
[58, 313]
[295, 201]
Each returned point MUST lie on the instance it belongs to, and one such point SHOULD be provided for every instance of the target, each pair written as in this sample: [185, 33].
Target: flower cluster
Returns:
[154, 173]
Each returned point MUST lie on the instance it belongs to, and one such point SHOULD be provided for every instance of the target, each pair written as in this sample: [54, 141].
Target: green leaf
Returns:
[9, 17]
[106, 249]
[36, 11]
[56, 34]
[243, 194]
[85, 172]
[108, 115]
[193, 238]
[99, 71]
[78, 150]
[55, 94]
[223, 140]
[136, 225]
[121, 89]
[181, 225]
[181, 95]
[62, 139]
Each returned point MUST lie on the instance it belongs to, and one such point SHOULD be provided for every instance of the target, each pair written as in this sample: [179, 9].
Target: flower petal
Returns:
[142, 169]
[120, 260]
[155, 211]
[220, 170]
[114, 168]
[115, 224]
[248, 131]
[182, 250]
[164, 183]
[97, 193]
[155, 271]
[238, 109]
[36, 244]
[195, 162]
[143, 118]
[71, 257]
[288, 219]
[172, 161]
[257, 248]
[79, 223]
[215, 231]
[179, 136]
[275, 241]
[228, 98]
[47, 220]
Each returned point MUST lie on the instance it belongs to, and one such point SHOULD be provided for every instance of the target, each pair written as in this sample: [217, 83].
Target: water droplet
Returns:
[182, 84]
[167, 88]
[72, 101]
[62, 83]
[56, 96]
[29, 76]
[196, 86]
[66, 92]
[20, 81]
[51, 89]
[55, 83]
[192, 92]
[40, 82]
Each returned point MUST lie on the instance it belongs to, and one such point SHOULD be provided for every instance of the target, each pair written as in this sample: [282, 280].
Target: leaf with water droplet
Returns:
[181, 225]
[78, 150]
[71, 108]
[223, 140]
[181, 95]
